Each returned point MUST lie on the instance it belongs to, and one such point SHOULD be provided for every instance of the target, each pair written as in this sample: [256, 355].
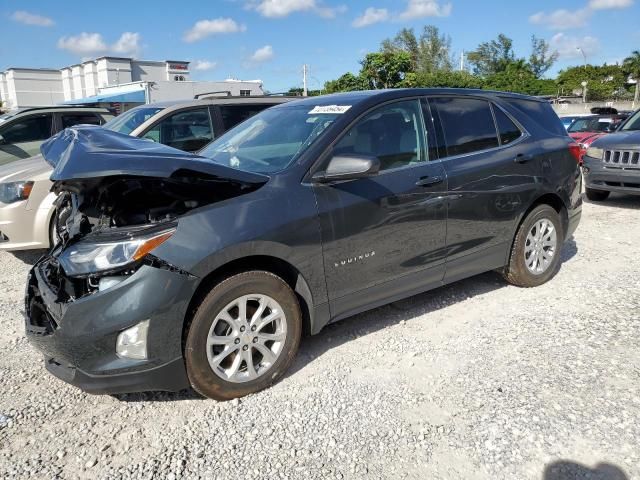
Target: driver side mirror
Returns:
[348, 167]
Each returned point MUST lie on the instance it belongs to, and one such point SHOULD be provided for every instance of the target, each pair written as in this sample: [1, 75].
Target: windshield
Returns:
[591, 125]
[128, 121]
[633, 123]
[271, 140]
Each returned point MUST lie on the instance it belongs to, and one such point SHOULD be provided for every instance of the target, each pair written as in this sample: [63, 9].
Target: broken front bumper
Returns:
[78, 337]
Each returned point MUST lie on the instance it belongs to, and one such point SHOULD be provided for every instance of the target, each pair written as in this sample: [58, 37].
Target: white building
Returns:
[111, 80]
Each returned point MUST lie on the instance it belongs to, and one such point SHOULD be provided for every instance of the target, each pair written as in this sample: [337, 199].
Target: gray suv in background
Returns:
[23, 131]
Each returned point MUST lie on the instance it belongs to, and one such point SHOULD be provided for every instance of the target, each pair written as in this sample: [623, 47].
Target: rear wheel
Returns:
[596, 195]
[535, 254]
[243, 336]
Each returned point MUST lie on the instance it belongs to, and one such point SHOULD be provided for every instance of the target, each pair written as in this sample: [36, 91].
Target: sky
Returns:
[270, 40]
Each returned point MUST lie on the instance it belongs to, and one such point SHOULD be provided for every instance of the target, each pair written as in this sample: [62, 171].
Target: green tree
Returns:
[492, 57]
[517, 77]
[443, 79]
[346, 83]
[431, 52]
[542, 57]
[603, 82]
[631, 66]
[385, 69]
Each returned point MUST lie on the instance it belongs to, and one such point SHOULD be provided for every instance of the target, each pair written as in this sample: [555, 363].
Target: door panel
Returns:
[382, 228]
[22, 138]
[487, 187]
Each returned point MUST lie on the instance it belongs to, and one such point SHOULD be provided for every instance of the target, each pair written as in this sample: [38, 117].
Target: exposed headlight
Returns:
[595, 152]
[85, 258]
[15, 191]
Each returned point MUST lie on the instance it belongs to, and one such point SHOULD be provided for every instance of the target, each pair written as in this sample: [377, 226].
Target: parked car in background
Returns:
[23, 131]
[26, 200]
[567, 120]
[305, 214]
[587, 129]
[612, 162]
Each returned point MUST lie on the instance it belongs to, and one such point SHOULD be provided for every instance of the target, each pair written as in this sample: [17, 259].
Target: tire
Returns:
[53, 234]
[596, 195]
[207, 374]
[517, 272]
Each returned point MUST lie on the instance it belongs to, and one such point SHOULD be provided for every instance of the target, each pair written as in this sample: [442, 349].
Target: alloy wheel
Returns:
[540, 246]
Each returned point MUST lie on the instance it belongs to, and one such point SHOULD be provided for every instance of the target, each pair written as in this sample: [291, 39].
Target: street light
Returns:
[584, 92]
[584, 56]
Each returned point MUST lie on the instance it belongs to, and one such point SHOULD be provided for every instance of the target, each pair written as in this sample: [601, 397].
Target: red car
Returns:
[586, 130]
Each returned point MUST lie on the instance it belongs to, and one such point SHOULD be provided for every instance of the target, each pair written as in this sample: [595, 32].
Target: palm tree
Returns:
[631, 65]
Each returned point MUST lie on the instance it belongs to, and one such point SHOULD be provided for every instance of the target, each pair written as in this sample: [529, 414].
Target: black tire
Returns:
[52, 224]
[201, 375]
[516, 271]
[596, 195]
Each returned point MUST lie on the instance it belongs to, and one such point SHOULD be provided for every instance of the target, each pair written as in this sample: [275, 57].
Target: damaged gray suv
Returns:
[178, 270]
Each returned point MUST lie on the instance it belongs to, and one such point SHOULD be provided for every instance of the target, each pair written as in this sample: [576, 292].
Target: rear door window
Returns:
[232, 115]
[187, 130]
[507, 130]
[467, 124]
[71, 119]
[540, 112]
[28, 129]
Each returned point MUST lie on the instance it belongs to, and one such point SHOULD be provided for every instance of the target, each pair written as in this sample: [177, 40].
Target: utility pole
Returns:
[462, 61]
[304, 80]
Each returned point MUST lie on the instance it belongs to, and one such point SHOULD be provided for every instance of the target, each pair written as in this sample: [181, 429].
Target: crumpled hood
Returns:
[629, 140]
[89, 152]
[33, 168]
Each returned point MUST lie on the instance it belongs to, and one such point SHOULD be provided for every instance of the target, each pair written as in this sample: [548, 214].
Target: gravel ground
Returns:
[476, 380]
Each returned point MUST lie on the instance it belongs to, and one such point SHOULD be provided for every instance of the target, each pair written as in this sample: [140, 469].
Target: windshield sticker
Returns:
[340, 109]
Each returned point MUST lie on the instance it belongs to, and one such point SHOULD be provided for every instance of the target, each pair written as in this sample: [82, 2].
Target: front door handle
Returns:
[523, 158]
[428, 181]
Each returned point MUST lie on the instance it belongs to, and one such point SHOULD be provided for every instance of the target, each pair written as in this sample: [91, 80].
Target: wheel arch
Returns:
[555, 201]
[283, 269]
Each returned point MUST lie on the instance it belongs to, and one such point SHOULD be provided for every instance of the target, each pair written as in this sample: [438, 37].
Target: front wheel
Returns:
[596, 195]
[243, 336]
[535, 253]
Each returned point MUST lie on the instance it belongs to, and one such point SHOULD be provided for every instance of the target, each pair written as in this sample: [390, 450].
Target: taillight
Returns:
[576, 151]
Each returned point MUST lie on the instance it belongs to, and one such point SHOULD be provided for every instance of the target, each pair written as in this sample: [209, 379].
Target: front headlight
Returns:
[84, 258]
[595, 152]
[15, 191]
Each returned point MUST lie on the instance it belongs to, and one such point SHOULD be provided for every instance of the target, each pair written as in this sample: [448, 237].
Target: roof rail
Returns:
[198, 96]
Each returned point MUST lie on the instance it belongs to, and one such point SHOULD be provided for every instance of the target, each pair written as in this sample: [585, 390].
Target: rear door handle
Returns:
[523, 158]
[428, 181]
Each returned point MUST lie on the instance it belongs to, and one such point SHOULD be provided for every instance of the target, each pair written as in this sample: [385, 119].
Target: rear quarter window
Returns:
[539, 112]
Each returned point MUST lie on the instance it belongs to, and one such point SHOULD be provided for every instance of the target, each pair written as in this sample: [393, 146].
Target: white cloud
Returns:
[202, 65]
[567, 46]
[31, 19]
[128, 45]
[607, 4]
[284, 8]
[88, 44]
[83, 44]
[261, 55]
[562, 19]
[370, 16]
[425, 8]
[204, 28]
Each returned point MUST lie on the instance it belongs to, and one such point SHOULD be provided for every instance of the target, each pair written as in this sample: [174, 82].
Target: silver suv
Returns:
[23, 131]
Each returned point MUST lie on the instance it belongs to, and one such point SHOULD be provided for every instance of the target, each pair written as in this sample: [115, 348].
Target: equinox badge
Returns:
[359, 258]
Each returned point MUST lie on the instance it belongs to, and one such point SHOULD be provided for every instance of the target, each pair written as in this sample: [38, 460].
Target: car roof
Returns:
[53, 109]
[261, 99]
[353, 98]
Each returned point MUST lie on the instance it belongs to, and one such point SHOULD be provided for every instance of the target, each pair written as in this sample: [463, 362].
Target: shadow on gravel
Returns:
[159, 396]
[566, 470]
[336, 334]
[29, 257]
[618, 200]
